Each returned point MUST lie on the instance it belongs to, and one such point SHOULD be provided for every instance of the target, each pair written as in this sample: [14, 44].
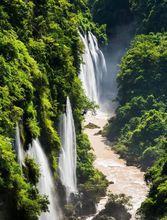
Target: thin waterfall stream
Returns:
[46, 183]
[19, 147]
[68, 154]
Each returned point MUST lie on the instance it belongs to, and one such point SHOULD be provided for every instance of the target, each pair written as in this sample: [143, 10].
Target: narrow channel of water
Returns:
[128, 180]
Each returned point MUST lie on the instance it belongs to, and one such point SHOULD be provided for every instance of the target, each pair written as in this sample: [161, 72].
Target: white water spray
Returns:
[46, 184]
[68, 155]
[93, 68]
[19, 147]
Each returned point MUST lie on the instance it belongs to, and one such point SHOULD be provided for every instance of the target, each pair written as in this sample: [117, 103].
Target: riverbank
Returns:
[128, 180]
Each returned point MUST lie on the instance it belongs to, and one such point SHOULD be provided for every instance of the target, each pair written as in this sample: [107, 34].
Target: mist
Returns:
[113, 52]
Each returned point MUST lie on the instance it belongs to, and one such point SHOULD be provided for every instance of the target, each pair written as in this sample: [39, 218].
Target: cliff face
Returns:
[40, 56]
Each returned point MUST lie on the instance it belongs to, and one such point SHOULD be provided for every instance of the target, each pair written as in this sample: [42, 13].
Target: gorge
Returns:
[124, 179]
[83, 119]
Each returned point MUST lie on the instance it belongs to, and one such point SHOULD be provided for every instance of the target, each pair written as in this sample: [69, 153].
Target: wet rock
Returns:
[98, 133]
[4, 208]
[104, 217]
[86, 205]
[111, 182]
[91, 126]
[115, 209]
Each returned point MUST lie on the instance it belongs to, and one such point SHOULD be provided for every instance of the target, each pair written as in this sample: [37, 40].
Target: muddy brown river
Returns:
[128, 180]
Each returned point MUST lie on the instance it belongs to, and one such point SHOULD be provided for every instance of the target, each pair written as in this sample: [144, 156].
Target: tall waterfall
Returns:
[46, 184]
[93, 68]
[19, 147]
[68, 154]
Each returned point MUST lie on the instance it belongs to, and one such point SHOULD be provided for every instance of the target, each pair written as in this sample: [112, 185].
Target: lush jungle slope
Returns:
[40, 55]
[139, 128]
[110, 12]
[150, 15]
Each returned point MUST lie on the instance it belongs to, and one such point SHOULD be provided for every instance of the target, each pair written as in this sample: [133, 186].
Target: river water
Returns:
[128, 180]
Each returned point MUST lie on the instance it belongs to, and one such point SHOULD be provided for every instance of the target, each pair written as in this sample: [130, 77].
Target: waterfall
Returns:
[93, 68]
[68, 154]
[46, 184]
[87, 72]
[19, 147]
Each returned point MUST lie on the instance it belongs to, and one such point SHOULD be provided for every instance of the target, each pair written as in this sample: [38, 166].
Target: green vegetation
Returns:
[111, 12]
[89, 178]
[92, 183]
[156, 203]
[40, 56]
[22, 200]
[140, 126]
[150, 15]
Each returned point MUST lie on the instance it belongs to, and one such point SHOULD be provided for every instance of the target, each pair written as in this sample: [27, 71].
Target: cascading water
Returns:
[93, 68]
[19, 147]
[87, 72]
[68, 155]
[46, 184]
[98, 60]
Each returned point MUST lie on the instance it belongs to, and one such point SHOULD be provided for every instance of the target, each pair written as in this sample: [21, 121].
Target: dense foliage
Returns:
[155, 206]
[150, 15]
[92, 179]
[139, 127]
[111, 12]
[19, 77]
[40, 56]
[22, 200]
